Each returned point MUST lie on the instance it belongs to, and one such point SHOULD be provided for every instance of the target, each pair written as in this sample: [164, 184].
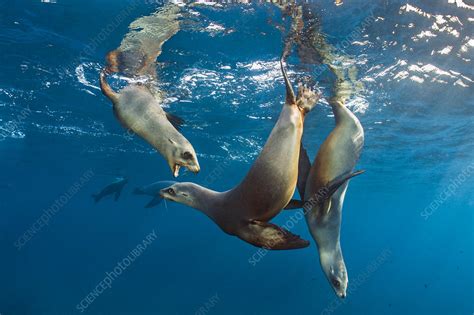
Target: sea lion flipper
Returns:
[117, 195]
[290, 94]
[307, 98]
[304, 166]
[176, 121]
[155, 201]
[294, 204]
[334, 185]
[270, 236]
[106, 89]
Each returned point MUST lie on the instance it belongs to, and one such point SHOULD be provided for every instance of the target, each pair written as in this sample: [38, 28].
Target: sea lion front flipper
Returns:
[270, 236]
[294, 204]
[154, 202]
[304, 166]
[176, 121]
[334, 185]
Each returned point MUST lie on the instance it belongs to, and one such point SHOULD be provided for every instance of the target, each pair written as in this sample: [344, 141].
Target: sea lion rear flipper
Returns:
[176, 121]
[270, 236]
[106, 89]
[294, 204]
[304, 166]
[334, 185]
[117, 195]
[154, 202]
[290, 94]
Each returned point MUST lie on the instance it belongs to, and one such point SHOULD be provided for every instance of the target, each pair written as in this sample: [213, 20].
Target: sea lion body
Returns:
[340, 151]
[271, 181]
[137, 107]
[245, 210]
[139, 111]
[326, 183]
[114, 188]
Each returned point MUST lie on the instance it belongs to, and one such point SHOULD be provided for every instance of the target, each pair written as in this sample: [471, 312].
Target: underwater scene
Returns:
[236, 157]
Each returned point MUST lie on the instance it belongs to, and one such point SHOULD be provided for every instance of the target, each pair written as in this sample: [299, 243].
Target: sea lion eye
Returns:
[187, 155]
[336, 283]
[171, 191]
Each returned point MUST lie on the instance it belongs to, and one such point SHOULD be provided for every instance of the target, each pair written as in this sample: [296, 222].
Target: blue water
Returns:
[416, 104]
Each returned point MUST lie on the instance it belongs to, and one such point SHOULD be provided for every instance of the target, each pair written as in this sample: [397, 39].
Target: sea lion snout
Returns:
[191, 166]
[183, 155]
[180, 192]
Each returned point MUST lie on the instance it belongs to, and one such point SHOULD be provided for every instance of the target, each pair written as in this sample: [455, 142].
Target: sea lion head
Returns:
[335, 270]
[181, 153]
[184, 193]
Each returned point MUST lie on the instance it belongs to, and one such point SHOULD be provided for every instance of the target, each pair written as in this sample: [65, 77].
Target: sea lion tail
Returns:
[290, 94]
[105, 87]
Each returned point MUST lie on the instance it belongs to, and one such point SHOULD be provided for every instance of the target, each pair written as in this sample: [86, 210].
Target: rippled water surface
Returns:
[408, 244]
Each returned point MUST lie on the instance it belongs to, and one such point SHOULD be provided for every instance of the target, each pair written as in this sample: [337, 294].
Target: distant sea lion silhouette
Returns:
[138, 110]
[245, 211]
[114, 188]
[153, 190]
[323, 187]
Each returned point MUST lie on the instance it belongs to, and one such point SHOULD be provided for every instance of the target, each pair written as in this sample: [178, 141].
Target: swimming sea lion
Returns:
[245, 211]
[138, 110]
[323, 187]
[154, 191]
[114, 188]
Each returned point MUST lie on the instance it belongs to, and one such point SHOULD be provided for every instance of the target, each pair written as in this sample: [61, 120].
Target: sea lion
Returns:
[154, 191]
[138, 110]
[245, 211]
[114, 188]
[323, 187]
